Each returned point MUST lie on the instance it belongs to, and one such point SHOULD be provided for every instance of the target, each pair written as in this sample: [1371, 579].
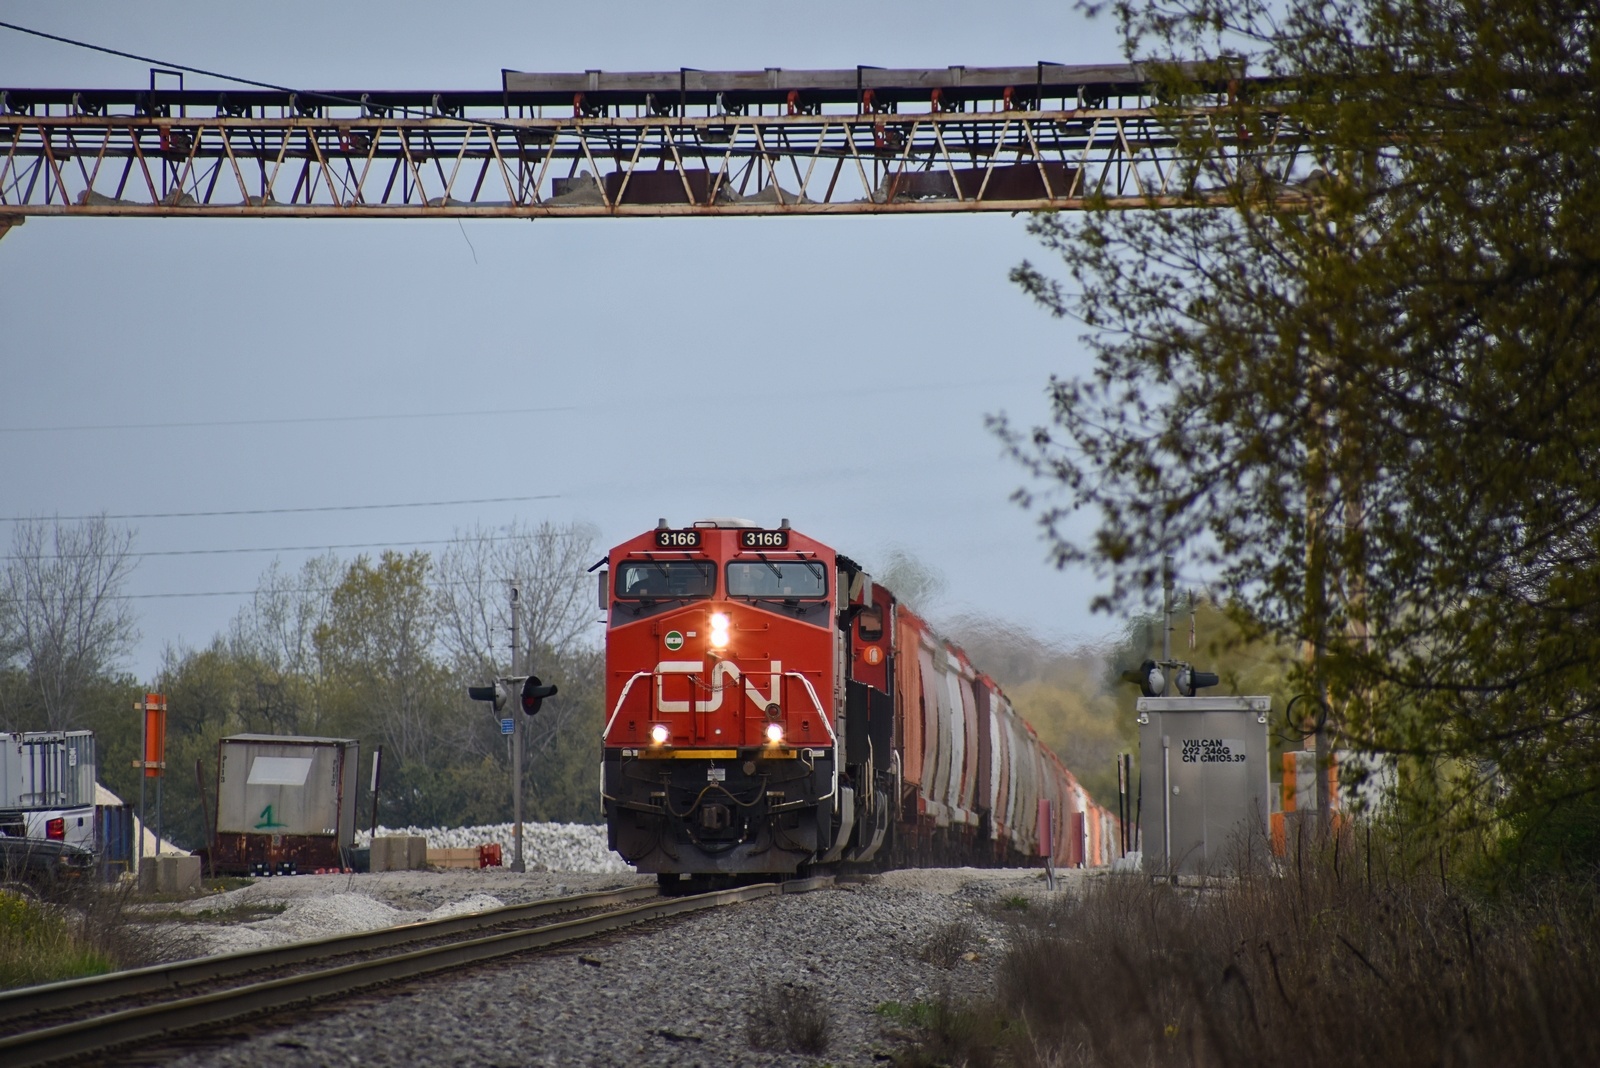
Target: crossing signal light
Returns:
[533, 694]
[495, 694]
[1148, 677]
[1190, 681]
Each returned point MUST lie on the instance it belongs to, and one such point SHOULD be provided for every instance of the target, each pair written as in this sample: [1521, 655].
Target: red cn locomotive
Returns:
[771, 708]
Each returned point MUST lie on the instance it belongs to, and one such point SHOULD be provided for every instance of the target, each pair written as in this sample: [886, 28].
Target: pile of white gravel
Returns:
[575, 847]
[326, 915]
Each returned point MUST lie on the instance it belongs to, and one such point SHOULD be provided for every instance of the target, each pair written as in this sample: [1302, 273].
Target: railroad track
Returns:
[46, 1023]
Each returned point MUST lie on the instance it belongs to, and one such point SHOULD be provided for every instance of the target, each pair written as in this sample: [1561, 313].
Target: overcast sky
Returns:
[835, 371]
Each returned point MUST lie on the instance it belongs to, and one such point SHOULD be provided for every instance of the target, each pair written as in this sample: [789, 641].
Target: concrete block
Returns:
[169, 874]
[399, 853]
[180, 875]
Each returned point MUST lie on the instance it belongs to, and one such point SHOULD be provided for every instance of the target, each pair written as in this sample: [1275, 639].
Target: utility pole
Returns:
[516, 742]
[1166, 620]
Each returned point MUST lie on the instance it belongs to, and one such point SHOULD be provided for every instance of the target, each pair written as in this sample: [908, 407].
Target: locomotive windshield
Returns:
[783, 580]
[639, 580]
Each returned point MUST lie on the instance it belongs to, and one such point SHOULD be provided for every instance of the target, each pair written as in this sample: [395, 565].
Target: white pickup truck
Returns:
[74, 826]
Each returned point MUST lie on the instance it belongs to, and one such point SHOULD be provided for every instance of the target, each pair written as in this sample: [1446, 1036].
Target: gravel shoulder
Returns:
[676, 993]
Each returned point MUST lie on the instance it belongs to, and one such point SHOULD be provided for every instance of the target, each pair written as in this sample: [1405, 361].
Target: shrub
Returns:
[947, 943]
[788, 1017]
[945, 1031]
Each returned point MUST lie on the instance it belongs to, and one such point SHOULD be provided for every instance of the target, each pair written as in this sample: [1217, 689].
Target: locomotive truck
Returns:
[772, 710]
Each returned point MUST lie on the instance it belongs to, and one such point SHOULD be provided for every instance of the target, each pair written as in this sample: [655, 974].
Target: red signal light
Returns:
[533, 694]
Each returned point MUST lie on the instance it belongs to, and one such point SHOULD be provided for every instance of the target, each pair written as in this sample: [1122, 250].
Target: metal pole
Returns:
[1166, 624]
[377, 764]
[516, 743]
[1166, 803]
[144, 751]
[1122, 809]
[206, 826]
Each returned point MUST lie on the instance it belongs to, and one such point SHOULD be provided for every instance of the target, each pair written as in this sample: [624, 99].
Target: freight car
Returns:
[772, 709]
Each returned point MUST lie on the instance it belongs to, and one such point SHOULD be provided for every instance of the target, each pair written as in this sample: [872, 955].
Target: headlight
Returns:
[719, 621]
[719, 630]
[659, 733]
[774, 733]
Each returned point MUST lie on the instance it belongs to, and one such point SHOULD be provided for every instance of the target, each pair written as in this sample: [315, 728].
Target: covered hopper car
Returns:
[772, 709]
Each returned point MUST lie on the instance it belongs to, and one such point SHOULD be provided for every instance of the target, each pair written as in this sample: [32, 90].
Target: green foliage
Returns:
[1359, 399]
[1559, 838]
[37, 945]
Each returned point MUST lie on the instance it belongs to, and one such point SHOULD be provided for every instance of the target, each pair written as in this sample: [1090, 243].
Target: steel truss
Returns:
[486, 155]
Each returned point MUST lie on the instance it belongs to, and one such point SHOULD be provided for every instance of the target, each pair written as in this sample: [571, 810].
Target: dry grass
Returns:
[787, 1017]
[1341, 959]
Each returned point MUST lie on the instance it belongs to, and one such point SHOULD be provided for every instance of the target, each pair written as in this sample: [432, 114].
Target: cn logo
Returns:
[721, 675]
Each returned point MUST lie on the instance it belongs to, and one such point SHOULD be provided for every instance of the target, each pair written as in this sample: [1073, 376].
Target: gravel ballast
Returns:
[675, 993]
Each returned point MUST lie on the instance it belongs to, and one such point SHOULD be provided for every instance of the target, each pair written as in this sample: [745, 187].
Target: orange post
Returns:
[155, 735]
[1290, 781]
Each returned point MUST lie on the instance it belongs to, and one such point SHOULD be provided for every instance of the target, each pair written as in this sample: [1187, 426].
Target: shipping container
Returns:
[47, 769]
[284, 803]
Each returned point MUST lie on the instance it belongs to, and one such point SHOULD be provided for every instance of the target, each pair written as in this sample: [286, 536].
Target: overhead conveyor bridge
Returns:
[601, 143]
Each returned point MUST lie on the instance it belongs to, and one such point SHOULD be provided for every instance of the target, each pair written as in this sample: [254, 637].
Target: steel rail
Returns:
[167, 1018]
[33, 1001]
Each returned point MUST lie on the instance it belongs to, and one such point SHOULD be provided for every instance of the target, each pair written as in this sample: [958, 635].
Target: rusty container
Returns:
[285, 804]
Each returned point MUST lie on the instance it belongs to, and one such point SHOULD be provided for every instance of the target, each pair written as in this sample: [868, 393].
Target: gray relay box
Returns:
[1203, 762]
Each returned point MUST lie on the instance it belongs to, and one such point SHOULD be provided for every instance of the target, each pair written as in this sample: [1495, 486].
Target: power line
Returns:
[284, 511]
[284, 420]
[332, 98]
[305, 548]
[145, 59]
[250, 593]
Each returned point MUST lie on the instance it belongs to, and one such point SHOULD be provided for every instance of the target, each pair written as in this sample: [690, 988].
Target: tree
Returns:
[64, 622]
[557, 597]
[377, 645]
[275, 640]
[1360, 397]
[557, 635]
